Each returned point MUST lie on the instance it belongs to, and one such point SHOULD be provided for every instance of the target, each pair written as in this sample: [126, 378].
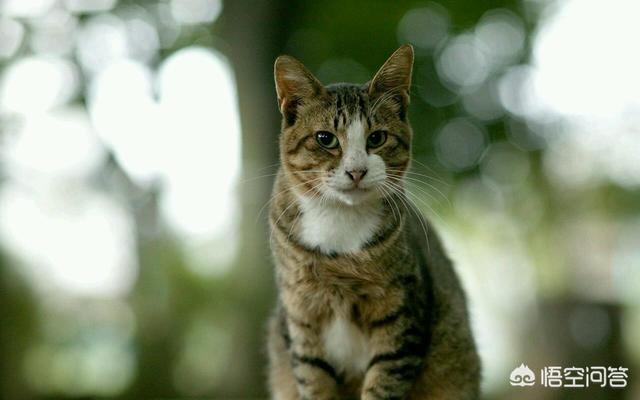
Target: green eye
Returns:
[327, 140]
[376, 139]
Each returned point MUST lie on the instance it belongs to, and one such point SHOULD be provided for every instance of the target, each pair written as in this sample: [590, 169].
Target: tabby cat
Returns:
[369, 306]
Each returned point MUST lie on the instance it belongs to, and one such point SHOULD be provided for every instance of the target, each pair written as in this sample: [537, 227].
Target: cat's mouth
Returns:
[354, 195]
[355, 190]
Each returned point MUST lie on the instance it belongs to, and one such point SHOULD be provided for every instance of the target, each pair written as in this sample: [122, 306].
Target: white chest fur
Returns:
[337, 228]
[346, 347]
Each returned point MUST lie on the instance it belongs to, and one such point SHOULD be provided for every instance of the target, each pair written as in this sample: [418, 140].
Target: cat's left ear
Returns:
[393, 79]
[294, 84]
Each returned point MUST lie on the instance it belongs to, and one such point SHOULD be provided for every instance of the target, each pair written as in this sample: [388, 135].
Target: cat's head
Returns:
[345, 142]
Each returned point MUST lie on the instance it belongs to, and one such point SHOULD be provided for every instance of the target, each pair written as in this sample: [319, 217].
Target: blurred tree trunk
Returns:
[255, 33]
[18, 329]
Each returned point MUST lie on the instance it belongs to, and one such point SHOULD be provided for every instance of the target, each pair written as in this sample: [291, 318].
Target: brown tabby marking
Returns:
[369, 306]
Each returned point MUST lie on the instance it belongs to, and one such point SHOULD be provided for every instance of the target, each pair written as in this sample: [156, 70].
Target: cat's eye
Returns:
[327, 140]
[376, 139]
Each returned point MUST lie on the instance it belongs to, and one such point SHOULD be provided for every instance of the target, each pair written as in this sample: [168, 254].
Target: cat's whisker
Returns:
[425, 166]
[433, 212]
[315, 195]
[298, 185]
[243, 181]
[423, 202]
[411, 207]
[323, 198]
[418, 174]
[406, 190]
[409, 172]
[397, 207]
[416, 182]
[291, 204]
[384, 197]
[295, 221]
[269, 166]
[424, 191]
[431, 186]
[388, 199]
[273, 197]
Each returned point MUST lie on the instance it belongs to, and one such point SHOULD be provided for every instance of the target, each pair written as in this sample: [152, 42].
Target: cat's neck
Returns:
[335, 227]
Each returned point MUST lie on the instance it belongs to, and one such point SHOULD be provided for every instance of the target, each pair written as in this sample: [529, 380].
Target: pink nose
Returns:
[357, 175]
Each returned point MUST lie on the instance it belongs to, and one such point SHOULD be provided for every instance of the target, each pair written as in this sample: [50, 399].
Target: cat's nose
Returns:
[356, 175]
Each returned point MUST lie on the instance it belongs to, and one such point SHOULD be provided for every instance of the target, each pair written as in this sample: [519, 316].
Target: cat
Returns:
[369, 306]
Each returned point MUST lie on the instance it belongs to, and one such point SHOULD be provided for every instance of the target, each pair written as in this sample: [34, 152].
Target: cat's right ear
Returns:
[393, 79]
[294, 84]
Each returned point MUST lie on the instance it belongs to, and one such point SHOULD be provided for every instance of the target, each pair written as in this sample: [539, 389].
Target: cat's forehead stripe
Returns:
[351, 104]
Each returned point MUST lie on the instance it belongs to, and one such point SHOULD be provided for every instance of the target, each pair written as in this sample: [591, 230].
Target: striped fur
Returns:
[382, 318]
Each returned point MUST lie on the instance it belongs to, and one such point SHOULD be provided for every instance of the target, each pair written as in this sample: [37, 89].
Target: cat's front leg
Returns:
[399, 355]
[316, 378]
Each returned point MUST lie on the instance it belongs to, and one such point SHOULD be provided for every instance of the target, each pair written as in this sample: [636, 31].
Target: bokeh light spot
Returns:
[460, 144]
[424, 27]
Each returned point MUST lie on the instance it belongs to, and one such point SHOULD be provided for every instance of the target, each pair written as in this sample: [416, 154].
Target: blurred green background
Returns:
[138, 143]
